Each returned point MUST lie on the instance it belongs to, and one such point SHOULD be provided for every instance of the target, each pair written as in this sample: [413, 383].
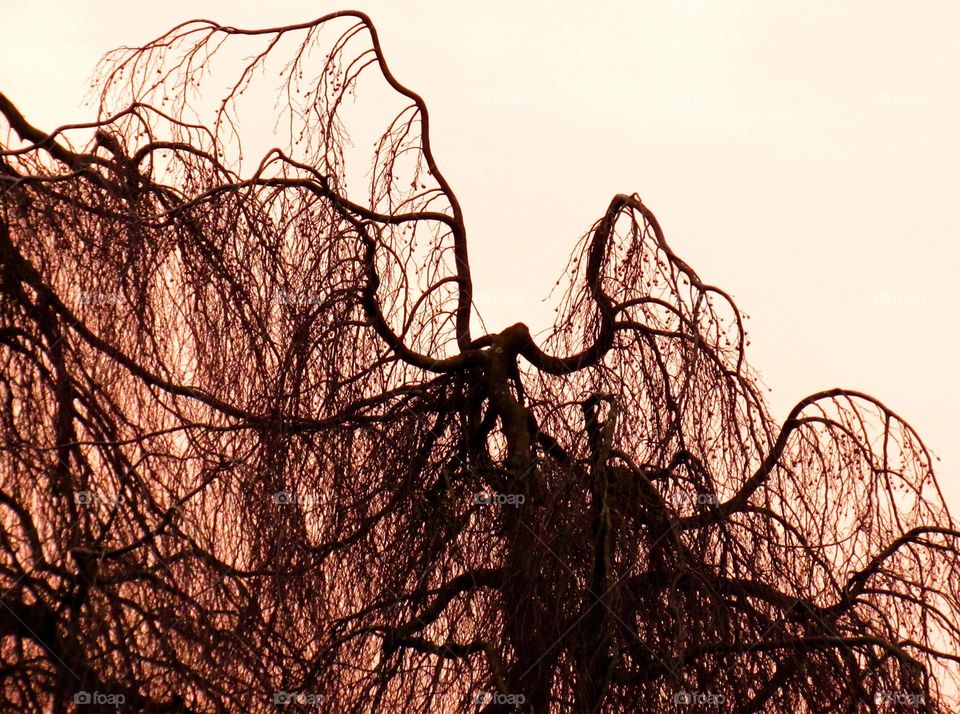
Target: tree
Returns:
[254, 454]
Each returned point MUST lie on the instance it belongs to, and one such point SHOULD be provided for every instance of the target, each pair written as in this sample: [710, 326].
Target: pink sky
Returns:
[803, 156]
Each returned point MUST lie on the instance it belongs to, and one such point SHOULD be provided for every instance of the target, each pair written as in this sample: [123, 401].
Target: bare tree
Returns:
[254, 457]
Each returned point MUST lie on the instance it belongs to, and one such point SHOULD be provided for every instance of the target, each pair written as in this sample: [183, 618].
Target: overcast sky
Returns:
[804, 156]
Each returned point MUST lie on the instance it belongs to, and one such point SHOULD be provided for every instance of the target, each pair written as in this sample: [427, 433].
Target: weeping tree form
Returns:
[253, 454]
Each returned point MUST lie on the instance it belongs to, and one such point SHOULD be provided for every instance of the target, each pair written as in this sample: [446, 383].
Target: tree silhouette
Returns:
[253, 455]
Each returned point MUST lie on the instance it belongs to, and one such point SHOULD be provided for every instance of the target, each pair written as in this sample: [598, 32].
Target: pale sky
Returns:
[803, 156]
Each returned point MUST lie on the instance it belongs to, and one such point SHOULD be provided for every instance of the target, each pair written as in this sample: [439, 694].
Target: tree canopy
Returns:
[254, 453]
